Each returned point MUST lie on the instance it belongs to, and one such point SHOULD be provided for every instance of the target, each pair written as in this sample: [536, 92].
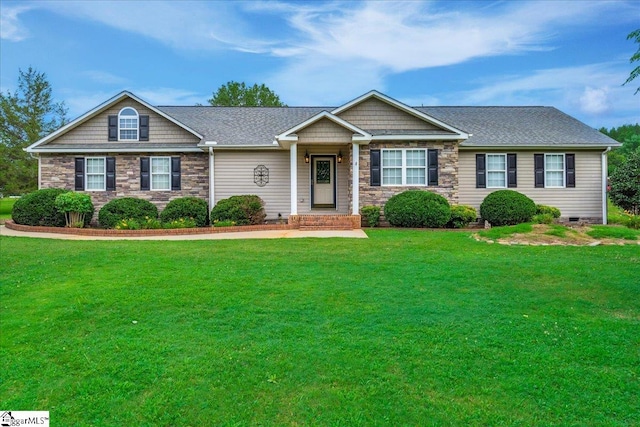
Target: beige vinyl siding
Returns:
[95, 130]
[584, 201]
[304, 179]
[324, 131]
[234, 176]
[375, 114]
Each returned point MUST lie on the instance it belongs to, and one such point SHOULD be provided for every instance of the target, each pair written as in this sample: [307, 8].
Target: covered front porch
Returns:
[324, 156]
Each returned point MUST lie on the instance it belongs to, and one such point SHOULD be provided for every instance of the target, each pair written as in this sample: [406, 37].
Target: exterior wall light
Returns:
[340, 156]
[306, 156]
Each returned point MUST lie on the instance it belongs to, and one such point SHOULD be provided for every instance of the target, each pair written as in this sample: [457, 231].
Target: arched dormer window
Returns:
[128, 124]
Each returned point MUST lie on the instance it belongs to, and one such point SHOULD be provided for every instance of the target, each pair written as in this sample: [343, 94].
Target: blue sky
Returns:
[573, 55]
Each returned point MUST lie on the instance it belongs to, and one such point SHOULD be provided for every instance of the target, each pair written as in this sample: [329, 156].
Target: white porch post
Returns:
[355, 182]
[294, 177]
[212, 194]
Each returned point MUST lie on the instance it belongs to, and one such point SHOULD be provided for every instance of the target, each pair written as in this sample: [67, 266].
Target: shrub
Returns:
[225, 223]
[243, 210]
[371, 214]
[547, 210]
[76, 207]
[461, 216]
[625, 184]
[543, 218]
[507, 207]
[186, 207]
[38, 208]
[126, 208]
[631, 221]
[417, 208]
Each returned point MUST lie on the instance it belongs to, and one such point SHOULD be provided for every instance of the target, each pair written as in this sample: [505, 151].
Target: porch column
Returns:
[355, 181]
[212, 189]
[293, 151]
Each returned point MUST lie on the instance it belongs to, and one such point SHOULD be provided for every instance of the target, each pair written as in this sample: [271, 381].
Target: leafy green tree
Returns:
[635, 36]
[26, 115]
[625, 184]
[629, 137]
[235, 94]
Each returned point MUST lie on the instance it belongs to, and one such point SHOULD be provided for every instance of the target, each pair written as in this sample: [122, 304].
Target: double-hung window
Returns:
[128, 124]
[404, 167]
[554, 171]
[496, 171]
[95, 174]
[160, 173]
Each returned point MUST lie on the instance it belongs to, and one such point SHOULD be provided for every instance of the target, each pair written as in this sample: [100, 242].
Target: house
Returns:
[323, 164]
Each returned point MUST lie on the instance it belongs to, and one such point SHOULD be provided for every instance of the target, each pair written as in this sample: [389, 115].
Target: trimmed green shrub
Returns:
[550, 210]
[543, 218]
[38, 208]
[185, 208]
[371, 214]
[417, 208]
[243, 210]
[126, 208]
[76, 207]
[507, 207]
[461, 216]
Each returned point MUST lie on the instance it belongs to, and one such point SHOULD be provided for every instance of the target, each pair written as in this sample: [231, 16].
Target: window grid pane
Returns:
[416, 176]
[554, 170]
[416, 158]
[495, 179]
[391, 158]
[392, 176]
[160, 173]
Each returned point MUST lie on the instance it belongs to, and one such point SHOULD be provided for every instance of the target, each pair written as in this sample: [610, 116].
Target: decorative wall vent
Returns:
[261, 175]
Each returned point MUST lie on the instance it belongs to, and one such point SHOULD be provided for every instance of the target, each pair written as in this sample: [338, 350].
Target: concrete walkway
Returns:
[266, 234]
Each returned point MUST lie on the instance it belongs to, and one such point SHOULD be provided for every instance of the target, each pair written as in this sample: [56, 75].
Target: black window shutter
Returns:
[113, 128]
[374, 162]
[79, 173]
[481, 171]
[432, 162]
[144, 128]
[570, 160]
[145, 176]
[512, 170]
[538, 166]
[175, 173]
[111, 173]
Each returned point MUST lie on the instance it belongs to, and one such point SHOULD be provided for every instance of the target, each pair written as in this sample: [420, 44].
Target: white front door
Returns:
[323, 182]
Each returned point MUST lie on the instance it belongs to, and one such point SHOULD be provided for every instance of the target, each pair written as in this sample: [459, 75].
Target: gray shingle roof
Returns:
[489, 126]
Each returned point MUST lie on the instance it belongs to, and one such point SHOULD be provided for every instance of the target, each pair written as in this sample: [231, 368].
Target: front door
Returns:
[323, 184]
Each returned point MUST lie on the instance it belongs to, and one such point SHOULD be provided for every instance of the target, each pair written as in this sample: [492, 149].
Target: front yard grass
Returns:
[404, 328]
[6, 206]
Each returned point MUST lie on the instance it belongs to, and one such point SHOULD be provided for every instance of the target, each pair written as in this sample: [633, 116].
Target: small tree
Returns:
[625, 184]
[235, 94]
[74, 206]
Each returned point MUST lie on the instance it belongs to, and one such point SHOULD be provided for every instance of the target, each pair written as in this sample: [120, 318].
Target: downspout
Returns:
[211, 179]
[604, 185]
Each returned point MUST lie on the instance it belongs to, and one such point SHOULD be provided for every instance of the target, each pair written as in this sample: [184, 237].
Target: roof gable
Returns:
[122, 96]
[386, 118]
[291, 135]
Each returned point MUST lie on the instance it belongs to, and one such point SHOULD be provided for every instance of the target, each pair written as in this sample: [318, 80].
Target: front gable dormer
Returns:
[387, 119]
[124, 123]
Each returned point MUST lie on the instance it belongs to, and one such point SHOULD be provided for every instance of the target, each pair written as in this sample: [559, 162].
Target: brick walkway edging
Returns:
[132, 233]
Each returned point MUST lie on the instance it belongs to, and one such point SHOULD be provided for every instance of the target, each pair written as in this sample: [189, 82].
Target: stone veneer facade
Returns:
[447, 173]
[58, 171]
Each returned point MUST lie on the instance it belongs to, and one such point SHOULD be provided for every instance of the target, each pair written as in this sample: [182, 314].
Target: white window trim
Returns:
[104, 174]
[404, 167]
[137, 138]
[151, 174]
[487, 170]
[564, 170]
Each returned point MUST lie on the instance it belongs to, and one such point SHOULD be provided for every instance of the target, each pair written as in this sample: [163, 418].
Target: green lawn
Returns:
[404, 328]
[6, 205]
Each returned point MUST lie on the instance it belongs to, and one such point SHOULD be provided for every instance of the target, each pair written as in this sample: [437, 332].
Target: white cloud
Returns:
[104, 77]
[10, 27]
[595, 100]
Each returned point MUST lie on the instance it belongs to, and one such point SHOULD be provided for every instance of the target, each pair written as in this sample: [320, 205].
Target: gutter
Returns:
[604, 185]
